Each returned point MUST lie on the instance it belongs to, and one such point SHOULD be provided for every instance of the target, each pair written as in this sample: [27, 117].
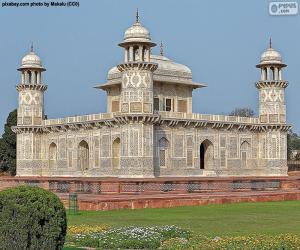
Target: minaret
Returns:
[31, 91]
[137, 77]
[136, 102]
[271, 87]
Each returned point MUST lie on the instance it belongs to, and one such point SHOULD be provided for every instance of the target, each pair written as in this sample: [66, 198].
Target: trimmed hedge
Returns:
[31, 218]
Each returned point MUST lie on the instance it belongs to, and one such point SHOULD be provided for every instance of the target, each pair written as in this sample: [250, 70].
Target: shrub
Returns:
[31, 218]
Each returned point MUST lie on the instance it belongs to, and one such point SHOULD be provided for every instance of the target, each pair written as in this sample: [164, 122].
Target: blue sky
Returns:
[221, 41]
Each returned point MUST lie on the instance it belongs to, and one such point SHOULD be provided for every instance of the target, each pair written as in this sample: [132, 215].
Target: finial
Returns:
[161, 48]
[137, 18]
[31, 47]
[270, 43]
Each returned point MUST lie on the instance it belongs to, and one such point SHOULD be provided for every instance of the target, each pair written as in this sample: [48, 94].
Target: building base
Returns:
[116, 193]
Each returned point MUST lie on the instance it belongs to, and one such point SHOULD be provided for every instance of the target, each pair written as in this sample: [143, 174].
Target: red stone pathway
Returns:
[121, 201]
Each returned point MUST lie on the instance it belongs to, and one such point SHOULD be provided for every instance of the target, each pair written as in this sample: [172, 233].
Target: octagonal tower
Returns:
[137, 70]
[31, 90]
[271, 87]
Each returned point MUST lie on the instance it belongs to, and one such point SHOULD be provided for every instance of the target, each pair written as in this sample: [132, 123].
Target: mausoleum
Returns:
[149, 129]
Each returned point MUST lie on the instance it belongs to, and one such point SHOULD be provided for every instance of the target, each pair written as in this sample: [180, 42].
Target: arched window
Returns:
[206, 154]
[52, 155]
[83, 155]
[245, 152]
[116, 153]
[163, 146]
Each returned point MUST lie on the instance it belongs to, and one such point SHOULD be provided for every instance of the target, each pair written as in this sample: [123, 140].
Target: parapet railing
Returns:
[208, 117]
[74, 119]
[163, 115]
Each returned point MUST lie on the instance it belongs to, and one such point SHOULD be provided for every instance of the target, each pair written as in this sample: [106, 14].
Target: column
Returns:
[262, 77]
[26, 77]
[33, 77]
[126, 55]
[148, 54]
[268, 73]
[276, 73]
[131, 53]
[280, 76]
[38, 80]
[23, 78]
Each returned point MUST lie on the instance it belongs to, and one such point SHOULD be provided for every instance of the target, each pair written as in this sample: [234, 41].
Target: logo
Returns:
[283, 8]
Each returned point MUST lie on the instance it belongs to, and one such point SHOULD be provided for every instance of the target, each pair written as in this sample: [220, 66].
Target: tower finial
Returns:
[270, 43]
[31, 47]
[137, 18]
[161, 48]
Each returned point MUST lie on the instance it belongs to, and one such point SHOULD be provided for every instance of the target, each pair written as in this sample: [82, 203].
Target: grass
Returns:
[227, 219]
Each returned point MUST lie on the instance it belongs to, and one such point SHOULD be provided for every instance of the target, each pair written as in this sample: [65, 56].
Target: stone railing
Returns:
[163, 115]
[75, 119]
[207, 117]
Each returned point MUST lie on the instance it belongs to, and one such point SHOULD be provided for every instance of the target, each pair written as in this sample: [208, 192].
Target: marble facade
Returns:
[149, 129]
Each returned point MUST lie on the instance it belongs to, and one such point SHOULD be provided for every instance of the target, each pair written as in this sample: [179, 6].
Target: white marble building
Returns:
[149, 129]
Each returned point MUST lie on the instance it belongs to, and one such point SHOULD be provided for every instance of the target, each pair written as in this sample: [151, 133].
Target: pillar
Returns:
[280, 75]
[33, 77]
[38, 80]
[23, 78]
[148, 54]
[131, 53]
[276, 73]
[126, 55]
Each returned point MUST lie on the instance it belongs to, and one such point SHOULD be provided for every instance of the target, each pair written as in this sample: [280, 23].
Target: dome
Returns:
[31, 60]
[166, 64]
[270, 56]
[165, 67]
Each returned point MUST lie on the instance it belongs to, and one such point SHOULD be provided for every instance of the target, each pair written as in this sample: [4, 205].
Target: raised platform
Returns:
[114, 193]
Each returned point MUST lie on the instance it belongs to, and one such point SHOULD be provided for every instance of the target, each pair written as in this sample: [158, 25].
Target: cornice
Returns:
[39, 87]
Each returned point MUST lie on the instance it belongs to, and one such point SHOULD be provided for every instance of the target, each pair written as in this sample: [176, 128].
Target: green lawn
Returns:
[227, 219]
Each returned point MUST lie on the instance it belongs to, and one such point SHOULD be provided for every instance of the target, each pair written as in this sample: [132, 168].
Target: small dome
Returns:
[270, 56]
[137, 33]
[31, 60]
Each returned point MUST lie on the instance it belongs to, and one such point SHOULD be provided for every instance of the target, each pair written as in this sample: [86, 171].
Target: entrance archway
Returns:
[206, 154]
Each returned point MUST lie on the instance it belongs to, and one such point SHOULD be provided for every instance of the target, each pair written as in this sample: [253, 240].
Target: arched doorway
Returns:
[52, 155]
[116, 153]
[206, 154]
[83, 155]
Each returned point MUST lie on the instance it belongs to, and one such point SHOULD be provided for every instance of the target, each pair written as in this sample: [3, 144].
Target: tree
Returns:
[31, 218]
[293, 143]
[8, 145]
[244, 112]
